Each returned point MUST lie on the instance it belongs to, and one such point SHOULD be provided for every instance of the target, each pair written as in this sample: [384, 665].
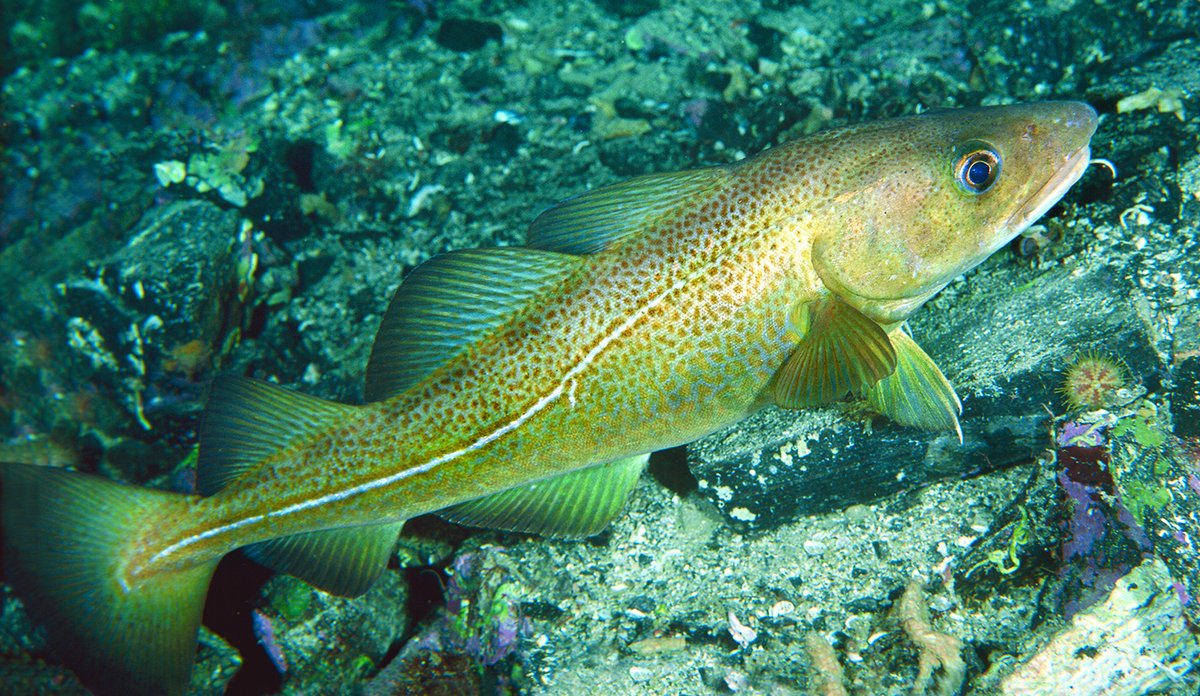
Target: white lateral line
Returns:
[437, 461]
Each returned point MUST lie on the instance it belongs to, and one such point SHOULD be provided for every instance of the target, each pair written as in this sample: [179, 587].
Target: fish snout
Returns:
[1077, 122]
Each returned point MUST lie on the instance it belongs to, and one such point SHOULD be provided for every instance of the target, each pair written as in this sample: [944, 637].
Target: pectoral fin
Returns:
[841, 352]
[917, 393]
[572, 506]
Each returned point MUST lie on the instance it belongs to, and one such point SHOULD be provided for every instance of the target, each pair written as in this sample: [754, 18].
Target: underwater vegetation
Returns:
[468, 647]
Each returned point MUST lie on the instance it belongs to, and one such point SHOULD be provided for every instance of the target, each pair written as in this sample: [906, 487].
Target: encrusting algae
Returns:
[523, 387]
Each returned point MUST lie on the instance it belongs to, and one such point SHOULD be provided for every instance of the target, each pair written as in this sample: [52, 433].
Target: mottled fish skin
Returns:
[652, 313]
[674, 332]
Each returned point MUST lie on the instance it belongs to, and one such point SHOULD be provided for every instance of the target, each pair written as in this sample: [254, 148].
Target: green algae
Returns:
[1140, 497]
[1143, 425]
[292, 600]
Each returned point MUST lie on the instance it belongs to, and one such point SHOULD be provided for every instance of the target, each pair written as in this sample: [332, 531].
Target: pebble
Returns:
[781, 608]
[658, 646]
[814, 548]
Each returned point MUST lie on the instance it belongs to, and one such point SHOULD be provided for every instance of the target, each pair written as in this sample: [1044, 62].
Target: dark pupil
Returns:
[978, 173]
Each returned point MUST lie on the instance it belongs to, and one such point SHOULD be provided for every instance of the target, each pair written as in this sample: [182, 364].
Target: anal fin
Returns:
[345, 561]
[917, 393]
[575, 505]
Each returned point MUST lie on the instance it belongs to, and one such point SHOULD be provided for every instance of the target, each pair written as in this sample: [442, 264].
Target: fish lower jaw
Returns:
[891, 312]
[1051, 192]
[886, 312]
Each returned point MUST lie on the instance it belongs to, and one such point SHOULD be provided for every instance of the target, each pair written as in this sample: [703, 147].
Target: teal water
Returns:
[190, 189]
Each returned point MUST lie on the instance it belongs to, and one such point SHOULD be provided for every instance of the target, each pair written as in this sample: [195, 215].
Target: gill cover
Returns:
[931, 196]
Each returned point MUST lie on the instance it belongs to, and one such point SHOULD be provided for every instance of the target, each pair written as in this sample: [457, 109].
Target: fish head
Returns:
[929, 197]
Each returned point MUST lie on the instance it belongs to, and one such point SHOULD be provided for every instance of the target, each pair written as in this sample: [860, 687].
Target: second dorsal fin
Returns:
[451, 301]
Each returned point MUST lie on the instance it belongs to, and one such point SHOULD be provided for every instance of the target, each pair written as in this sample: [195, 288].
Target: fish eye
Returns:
[977, 168]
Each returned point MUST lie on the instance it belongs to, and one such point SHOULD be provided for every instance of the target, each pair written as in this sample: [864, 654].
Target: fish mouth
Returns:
[1051, 191]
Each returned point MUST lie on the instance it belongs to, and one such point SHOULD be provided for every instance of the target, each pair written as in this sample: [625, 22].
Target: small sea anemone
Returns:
[1093, 381]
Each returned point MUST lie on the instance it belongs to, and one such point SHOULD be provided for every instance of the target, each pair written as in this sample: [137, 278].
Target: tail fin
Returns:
[63, 536]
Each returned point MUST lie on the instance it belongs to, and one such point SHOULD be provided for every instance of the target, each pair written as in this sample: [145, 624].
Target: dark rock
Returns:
[628, 107]
[312, 269]
[478, 76]
[299, 157]
[1003, 349]
[643, 603]
[1187, 398]
[503, 140]
[865, 605]
[629, 8]
[768, 40]
[580, 122]
[720, 123]
[1185, 349]
[327, 640]
[434, 674]
[146, 322]
[717, 80]
[768, 118]
[630, 157]
[465, 35]
[931, 63]
[541, 610]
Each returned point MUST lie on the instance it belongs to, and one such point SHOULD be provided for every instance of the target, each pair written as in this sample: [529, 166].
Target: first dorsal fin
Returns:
[574, 505]
[451, 301]
[841, 352]
[596, 220]
[247, 420]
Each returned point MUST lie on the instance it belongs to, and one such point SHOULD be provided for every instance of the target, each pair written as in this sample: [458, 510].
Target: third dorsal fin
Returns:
[247, 420]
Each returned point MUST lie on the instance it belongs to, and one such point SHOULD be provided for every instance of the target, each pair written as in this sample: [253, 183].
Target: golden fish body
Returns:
[523, 387]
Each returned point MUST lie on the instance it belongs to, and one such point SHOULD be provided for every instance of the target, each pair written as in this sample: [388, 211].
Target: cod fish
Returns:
[522, 388]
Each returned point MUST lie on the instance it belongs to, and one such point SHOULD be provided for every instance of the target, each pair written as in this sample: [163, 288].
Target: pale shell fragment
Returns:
[781, 608]
[742, 634]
